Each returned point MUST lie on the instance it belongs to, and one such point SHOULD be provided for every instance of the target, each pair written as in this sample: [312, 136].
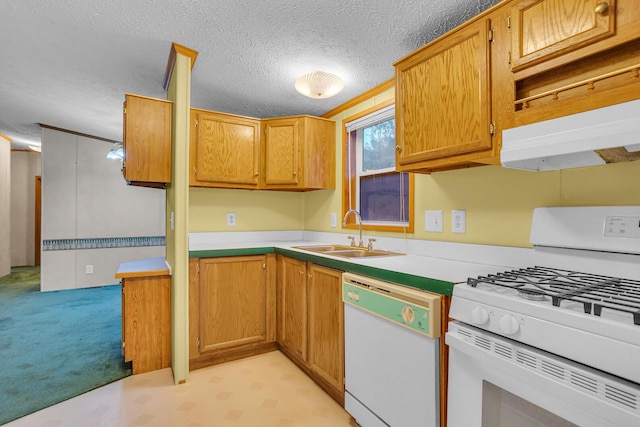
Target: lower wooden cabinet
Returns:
[241, 305]
[292, 305]
[232, 305]
[311, 321]
[326, 325]
[146, 322]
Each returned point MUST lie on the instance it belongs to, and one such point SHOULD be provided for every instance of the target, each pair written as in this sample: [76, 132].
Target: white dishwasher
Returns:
[391, 335]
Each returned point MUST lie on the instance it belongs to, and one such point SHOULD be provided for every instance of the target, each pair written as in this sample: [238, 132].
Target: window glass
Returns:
[378, 146]
[381, 195]
[384, 197]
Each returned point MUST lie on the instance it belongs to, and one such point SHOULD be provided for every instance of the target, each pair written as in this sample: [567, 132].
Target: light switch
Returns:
[433, 221]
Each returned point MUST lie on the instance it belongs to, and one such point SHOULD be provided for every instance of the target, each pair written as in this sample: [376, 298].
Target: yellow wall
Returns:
[498, 202]
[255, 210]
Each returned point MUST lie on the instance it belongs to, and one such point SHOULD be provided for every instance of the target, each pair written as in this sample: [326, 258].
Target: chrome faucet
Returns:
[359, 218]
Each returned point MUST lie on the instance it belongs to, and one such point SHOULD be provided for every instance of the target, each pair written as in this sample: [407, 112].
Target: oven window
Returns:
[501, 408]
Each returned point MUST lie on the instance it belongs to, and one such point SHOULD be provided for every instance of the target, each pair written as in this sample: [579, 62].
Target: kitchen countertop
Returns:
[422, 272]
[143, 268]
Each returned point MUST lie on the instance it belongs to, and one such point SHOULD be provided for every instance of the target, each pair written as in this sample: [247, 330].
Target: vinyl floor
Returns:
[264, 390]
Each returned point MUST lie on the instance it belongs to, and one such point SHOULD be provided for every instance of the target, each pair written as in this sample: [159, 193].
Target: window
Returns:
[383, 197]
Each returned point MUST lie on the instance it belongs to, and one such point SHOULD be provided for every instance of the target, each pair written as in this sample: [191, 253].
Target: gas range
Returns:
[582, 299]
[603, 296]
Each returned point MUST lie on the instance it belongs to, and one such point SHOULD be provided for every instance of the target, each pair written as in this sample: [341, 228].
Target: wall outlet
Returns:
[433, 221]
[459, 221]
[332, 220]
[88, 269]
[231, 219]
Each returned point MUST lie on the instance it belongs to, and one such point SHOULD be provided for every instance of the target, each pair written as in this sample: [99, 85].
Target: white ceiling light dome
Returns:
[319, 85]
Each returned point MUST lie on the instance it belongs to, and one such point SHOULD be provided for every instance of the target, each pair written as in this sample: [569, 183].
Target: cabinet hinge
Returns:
[195, 122]
[198, 342]
[195, 171]
[492, 128]
[123, 344]
[198, 269]
[491, 35]
[509, 58]
[124, 110]
[509, 23]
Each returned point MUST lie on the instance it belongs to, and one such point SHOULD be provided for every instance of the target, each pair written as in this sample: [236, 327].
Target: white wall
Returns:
[84, 196]
[5, 213]
[25, 166]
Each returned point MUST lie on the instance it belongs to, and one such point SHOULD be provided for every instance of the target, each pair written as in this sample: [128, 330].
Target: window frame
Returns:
[349, 179]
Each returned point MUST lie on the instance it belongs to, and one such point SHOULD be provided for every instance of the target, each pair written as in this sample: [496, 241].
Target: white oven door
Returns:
[497, 382]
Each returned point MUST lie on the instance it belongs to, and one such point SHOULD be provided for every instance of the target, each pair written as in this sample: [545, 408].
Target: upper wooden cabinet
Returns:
[443, 101]
[543, 29]
[292, 153]
[570, 56]
[299, 153]
[146, 141]
[225, 150]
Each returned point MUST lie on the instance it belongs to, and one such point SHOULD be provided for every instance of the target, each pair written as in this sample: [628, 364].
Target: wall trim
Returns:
[360, 98]
[177, 49]
[99, 138]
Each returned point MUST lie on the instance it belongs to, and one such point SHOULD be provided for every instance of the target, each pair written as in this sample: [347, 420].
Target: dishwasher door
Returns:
[391, 369]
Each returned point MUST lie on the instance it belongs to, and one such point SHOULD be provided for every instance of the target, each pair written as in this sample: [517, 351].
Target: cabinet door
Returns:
[544, 29]
[293, 304]
[282, 151]
[443, 100]
[146, 322]
[146, 141]
[326, 324]
[235, 302]
[226, 151]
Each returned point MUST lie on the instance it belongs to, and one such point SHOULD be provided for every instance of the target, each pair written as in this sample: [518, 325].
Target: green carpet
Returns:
[55, 345]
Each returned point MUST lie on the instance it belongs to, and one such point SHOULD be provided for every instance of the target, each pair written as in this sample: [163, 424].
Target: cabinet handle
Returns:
[601, 8]
[255, 174]
[310, 276]
[295, 173]
[301, 273]
[398, 148]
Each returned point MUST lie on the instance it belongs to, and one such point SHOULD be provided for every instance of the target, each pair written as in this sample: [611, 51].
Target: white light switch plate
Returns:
[332, 220]
[433, 221]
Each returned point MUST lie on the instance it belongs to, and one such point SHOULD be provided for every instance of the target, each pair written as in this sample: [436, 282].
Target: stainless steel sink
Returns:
[347, 251]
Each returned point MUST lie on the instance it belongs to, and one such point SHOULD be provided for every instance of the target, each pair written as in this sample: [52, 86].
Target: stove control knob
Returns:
[509, 325]
[479, 315]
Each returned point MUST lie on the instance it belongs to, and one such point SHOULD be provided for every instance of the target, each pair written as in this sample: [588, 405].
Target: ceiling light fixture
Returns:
[116, 153]
[319, 85]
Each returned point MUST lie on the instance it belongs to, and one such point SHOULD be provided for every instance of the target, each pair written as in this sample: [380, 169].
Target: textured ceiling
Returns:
[68, 63]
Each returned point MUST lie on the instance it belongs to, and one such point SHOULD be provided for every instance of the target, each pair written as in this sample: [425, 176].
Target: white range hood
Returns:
[604, 135]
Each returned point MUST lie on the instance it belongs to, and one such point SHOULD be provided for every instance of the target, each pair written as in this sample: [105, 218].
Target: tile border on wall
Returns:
[102, 243]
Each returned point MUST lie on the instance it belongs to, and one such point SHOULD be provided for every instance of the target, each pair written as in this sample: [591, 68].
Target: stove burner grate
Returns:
[594, 292]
